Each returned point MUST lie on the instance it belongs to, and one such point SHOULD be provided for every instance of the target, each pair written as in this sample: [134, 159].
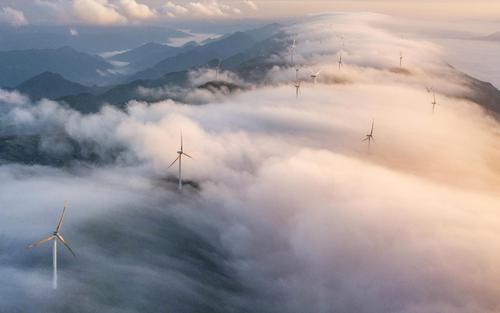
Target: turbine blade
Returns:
[39, 242]
[66, 244]
[187, 155]
[373, 138]
[61, 218]
[373, 124]
[177, 158]
[366, 138]
[181, 139]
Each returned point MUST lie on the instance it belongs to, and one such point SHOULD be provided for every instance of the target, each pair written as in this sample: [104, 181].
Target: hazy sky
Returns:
[115, 12]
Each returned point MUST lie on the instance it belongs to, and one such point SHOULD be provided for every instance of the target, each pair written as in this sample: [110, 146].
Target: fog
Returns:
[285, 208]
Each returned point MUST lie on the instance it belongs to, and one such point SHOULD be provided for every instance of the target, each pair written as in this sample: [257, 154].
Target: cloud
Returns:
[136, 10]
[12, 98]
[12, 16]
[291, 207]
[173, 10]
[99, 12]
[208, 8]
[204, 8]
[252, 5]
[73, 32]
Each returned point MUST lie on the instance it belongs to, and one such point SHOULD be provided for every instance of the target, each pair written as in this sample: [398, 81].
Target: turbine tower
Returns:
[56, 236]
[434, 102]
[400, 59]
[315, 75]
[179, 158]
[217, 70]
[292, 52]
[340, 62]
[297, 88]
[369, 137]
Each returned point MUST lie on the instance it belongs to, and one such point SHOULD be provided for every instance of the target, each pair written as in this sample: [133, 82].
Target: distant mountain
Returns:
[492, 37]
[51, 86]
[119, 95]
[251, 64]
[18, 65]
[149, 54]
[219, 49]
[90, 39]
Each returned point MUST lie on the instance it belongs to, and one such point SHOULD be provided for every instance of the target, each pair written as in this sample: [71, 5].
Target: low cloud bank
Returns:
[294, 213]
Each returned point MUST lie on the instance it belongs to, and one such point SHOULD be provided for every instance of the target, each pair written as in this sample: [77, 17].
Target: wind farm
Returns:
[349, 197]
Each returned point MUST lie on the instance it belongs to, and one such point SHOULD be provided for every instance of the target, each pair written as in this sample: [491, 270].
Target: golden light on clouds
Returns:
[432, 9]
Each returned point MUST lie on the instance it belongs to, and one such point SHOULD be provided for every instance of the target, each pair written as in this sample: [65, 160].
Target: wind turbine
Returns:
[315, 75]
[297, 88]
[297, 69]
[292, 52]
[217, 70]
[342, 39]
[340, 62]
[56, 236]
[400, 59]
[179, 158]
[434, 102]
[369, 137]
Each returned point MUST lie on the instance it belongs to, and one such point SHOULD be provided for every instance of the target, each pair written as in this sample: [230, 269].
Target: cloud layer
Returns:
[292, 213]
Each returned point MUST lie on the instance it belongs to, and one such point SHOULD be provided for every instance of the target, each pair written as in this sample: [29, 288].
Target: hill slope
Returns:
[17, 66]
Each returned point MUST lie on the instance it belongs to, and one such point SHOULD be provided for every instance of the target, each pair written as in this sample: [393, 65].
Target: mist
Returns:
[285, 208]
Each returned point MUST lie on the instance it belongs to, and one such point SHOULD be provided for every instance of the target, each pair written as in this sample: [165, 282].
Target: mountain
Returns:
[219, 49]
[492, 37]
[18, 65]
[119, 95]
[90, 39]
[51, 86]
[149, 54]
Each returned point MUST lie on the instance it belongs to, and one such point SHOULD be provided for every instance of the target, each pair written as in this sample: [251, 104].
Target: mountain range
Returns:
[17, 66]
[492, 37]
[149, 54]
[85, 38]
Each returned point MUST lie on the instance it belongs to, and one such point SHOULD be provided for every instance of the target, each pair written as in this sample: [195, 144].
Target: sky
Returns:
[119, 12]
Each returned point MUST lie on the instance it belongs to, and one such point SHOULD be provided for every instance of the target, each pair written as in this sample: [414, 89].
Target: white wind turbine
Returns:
[217, 70]
[56, 236]
[315, 75]
[179, 158]
[292, 52]
[434, 102]
[369, 137]
[297, 69]
[297, 88]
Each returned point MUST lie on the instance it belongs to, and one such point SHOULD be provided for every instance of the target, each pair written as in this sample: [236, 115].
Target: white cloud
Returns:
[173, 10]
[12, 16]
[208, 8]
[299, 205]
[203, 8]
[135, 10]
[100, 12]
[250, 4]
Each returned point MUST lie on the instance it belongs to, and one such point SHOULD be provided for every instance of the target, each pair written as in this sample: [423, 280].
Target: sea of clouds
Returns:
[287, 210]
